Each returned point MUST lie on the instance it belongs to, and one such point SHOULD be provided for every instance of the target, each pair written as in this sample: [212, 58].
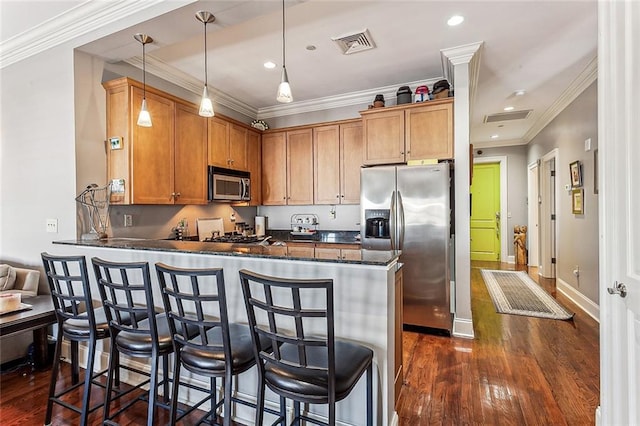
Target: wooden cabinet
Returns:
[404, 133]
[254, 164]
[300, 250]
[287, 168]
[337, 156]
[154, 164]
[337, 251]
[227, 144]
[190, 182]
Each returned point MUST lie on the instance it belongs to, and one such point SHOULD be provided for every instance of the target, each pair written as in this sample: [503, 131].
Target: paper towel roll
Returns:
[260, 226]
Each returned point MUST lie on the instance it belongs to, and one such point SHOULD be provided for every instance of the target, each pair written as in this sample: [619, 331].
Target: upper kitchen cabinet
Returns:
[190, 182]
[254, 164]
[227, 144]
[337, 156]
[287, 167]
[161, 164]
[408, 132]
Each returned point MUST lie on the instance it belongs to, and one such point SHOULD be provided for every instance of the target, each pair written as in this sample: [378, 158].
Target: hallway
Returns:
[518, 370]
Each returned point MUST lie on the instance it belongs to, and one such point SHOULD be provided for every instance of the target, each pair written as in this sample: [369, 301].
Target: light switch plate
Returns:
[587, 144]
[52, 225]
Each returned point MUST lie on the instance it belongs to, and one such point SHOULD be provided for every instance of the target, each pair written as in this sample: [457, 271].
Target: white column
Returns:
[461, 68]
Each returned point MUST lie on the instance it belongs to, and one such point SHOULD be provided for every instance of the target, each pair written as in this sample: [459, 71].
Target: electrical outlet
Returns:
[128, 220]
[52, 225]
[232, 217]
[332, 212]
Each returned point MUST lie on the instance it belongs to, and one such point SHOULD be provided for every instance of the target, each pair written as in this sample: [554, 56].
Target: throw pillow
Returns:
[7, 277]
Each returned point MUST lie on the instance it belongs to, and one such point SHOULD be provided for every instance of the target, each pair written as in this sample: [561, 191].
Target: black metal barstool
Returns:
[306, 364]
[197, 298]
[126, 293]
[78, 321]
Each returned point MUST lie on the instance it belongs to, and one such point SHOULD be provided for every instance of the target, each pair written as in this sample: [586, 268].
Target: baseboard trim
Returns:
[511, 259]
[583, 302]
[463, 327]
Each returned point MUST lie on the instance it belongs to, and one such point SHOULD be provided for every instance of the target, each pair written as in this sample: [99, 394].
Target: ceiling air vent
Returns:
[507, 116]
[354, 42]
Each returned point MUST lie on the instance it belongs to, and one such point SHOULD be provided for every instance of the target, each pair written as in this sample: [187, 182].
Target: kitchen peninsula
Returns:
[367, 303]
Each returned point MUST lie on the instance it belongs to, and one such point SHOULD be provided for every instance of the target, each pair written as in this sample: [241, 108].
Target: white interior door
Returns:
[533, 228]
[547, 215]
[619, 203]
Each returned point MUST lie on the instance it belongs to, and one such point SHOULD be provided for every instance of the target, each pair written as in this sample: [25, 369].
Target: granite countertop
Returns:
[368, 257]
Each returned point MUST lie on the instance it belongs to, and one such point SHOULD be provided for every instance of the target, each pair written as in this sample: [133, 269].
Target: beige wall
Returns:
[577, 235]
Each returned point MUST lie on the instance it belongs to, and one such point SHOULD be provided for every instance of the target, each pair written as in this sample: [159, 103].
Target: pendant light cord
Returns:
[284, 61]
[144, 73]
[206, 79]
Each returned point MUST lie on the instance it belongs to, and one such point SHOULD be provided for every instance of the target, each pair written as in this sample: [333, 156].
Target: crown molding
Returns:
[460, 55]
[577, 86]
[358, 98]
[75, 22]
[181, 79]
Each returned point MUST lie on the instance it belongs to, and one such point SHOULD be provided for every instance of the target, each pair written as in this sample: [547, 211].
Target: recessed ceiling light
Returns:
[519, 92]
[455, 20]
[269, 65]
[311, 47]
[509, 108]
[495, 136]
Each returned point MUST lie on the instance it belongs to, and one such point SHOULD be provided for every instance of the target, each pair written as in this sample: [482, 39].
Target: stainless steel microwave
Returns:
[228, 185]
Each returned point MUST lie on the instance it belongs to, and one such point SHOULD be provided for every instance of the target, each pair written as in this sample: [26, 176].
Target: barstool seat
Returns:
[203, 361]
[296, 381]
[80, 327]
[143, 343]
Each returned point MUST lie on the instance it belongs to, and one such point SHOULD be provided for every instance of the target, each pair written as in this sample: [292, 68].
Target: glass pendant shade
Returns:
[144, 119]
[206, 106]
[284, 90]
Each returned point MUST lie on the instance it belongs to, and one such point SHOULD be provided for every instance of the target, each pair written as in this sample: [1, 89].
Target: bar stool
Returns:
[197, 298]
[78, 321]
[307, 364]
[126, 292]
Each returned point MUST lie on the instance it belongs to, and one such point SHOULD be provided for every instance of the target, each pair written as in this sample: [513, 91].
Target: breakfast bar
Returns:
[365, 303]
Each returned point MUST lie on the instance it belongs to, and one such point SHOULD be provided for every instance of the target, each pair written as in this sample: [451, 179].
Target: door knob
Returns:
[618, 288]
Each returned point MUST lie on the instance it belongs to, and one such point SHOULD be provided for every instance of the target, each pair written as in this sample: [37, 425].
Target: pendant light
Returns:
[144, 119]
[206, 106]
[284, 90]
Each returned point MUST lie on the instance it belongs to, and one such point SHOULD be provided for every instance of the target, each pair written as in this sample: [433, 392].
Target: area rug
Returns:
[514, 292]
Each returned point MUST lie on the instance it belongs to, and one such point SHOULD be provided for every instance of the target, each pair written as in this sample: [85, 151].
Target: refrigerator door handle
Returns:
[392, 221]
[401, 214]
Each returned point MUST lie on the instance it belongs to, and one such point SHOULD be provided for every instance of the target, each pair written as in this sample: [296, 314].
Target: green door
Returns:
[485, 212]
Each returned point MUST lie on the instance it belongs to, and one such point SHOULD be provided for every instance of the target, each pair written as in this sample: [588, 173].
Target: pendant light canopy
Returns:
[284, 90]
[144, 119]
[206, 106]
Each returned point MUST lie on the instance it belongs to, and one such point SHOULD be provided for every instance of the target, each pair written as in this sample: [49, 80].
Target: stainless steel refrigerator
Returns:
[407, 208]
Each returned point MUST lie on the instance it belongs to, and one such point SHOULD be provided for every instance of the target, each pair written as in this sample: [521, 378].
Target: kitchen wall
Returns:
[577, 235]
[346, 218]
[516, 185]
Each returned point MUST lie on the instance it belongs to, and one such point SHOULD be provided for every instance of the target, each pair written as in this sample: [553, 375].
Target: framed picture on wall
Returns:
[577, 201]
[575, 169]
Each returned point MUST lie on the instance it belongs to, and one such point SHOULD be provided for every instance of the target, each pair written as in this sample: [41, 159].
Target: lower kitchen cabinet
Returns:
[300, 250]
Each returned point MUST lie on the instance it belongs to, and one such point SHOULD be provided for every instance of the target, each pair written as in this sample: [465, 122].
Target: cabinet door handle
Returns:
[177, 194]
[408, 152]
[401, 152]
[342, 196]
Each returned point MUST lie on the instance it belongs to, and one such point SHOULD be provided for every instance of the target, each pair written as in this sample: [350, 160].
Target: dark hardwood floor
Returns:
[517, 371]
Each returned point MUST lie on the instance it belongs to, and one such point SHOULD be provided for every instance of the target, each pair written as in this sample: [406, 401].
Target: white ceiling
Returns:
[547, 48]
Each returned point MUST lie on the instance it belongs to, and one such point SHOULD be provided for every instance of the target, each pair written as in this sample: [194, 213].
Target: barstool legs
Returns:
[54, 379]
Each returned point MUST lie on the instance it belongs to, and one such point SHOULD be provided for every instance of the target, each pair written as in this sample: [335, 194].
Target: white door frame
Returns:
[548, 229]
[619, 228]
[533, 210]
[502, 159]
